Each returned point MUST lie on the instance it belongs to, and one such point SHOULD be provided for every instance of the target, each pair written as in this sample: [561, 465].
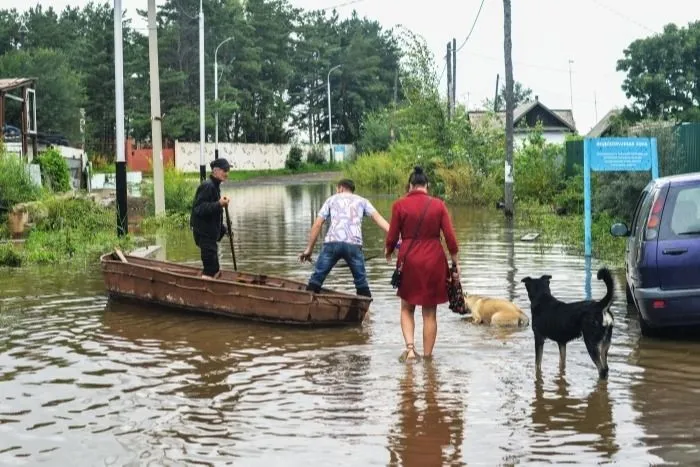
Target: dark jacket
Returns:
[207, 215]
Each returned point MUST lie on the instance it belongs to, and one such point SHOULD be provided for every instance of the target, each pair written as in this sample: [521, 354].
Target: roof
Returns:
[680, 178]
[604, 124]
[8, 84]
[565, 116]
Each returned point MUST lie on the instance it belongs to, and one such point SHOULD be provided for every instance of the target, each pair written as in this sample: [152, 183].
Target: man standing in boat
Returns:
[344, 237]
[207, 218]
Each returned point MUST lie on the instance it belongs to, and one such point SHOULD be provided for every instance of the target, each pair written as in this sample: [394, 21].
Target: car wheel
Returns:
[647, 331]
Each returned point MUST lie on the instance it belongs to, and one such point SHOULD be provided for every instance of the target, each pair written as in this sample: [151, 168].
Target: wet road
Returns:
[84, 381]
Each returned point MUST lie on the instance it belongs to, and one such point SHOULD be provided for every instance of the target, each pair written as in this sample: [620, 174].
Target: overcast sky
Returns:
[546, 35]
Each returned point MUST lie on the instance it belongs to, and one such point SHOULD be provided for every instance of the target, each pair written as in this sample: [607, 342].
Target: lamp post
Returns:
[202, 167]
[216, 98]
[122, 218]
[330, 127]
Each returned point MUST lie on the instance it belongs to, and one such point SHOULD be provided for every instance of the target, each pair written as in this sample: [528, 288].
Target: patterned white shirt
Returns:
[346, 211]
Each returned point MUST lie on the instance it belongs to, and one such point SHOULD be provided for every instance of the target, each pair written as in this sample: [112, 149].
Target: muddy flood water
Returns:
[86, 381]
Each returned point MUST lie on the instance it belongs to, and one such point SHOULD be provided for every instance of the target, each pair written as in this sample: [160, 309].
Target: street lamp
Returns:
[216, 98]
[330, 127]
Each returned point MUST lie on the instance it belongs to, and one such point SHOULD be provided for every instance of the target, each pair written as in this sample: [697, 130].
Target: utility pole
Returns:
[449, 80]
[454, 74]
[202, 166]
[392, 133]
[122, 218]
[216, 98]
[330, 127]
[495, 98]
[510, 107]
[571, 87]
[156, 134]
[595, 105]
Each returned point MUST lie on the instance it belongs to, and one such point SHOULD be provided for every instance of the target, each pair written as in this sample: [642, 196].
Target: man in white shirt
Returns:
[344, 238]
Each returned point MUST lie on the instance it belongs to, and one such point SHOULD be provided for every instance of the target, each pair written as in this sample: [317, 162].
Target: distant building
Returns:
[557, 124]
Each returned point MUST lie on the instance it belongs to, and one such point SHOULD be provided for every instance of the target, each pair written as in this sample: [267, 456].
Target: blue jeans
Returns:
[330, 254]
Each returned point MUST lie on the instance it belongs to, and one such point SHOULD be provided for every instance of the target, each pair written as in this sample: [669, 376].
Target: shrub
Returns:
[16, 185]
[294, 158]
[380, 171]
[178, 191]
[54, 171]
[9, 256]
[317, 155]
[75, 213]
[375, 133]
[538, 169]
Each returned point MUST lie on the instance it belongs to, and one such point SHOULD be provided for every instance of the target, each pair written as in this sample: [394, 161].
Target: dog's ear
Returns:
[546, 277]
[526, 279]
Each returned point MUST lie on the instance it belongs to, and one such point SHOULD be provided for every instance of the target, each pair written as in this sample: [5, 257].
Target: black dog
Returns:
[564, 322]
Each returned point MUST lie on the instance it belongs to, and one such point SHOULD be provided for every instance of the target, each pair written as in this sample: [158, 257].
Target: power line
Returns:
[622, 15]
[351, 2]
[478, 13]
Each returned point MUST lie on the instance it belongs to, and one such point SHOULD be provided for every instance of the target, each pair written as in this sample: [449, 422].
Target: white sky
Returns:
[546, 35]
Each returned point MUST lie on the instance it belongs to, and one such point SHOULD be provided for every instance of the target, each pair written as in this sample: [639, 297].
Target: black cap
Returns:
[220, 163]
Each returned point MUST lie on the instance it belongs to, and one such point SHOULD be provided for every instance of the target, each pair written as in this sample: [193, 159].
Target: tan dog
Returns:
[495, 311]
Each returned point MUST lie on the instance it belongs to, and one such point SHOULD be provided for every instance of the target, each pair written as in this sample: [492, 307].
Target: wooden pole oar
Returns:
[230, 238]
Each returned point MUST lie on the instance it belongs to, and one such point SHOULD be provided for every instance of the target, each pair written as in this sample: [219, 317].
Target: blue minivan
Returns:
[662, 258]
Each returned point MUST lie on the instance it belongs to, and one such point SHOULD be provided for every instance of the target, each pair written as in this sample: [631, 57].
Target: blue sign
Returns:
[614, 155]
[620, 154]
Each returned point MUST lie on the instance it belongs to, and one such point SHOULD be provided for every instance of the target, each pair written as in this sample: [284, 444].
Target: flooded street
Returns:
[84, 381]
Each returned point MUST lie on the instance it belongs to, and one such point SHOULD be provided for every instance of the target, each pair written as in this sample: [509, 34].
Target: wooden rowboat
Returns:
[241, 295]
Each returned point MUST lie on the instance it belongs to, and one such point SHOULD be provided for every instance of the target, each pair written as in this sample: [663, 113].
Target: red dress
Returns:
[425, 271]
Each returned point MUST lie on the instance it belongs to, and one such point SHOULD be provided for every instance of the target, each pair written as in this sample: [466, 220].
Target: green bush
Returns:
[9, 256]
[54, 171]
[75, 213]
[294, 158]
[375, 133]
[178, 191]
[317, 156]
[16, 185]
[538, 169]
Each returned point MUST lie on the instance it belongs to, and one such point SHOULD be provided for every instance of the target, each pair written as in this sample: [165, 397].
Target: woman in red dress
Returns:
[421, 258]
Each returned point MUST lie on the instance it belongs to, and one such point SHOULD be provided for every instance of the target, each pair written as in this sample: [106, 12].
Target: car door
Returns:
[637, 233]
[678, 251]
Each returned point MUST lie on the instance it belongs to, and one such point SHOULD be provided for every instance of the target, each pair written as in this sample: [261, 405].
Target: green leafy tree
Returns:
[59, 93]
[663, 72]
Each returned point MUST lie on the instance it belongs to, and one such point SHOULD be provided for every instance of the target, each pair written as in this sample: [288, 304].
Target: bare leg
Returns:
[429, 330]
[408, 326]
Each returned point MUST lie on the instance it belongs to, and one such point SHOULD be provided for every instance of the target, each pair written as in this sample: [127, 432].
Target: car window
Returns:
[681, 218]
[635, 216]
[643, 214]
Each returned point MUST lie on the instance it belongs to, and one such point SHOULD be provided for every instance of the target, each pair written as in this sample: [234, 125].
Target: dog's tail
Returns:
[605, 276]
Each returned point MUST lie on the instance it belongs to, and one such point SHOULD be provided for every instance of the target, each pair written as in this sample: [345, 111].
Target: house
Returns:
[557, 124]
[604, 128]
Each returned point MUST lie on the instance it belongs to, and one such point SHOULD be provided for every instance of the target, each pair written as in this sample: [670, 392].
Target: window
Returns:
[681, 217]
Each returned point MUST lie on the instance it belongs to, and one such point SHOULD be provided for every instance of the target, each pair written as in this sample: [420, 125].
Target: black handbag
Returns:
[396, 276]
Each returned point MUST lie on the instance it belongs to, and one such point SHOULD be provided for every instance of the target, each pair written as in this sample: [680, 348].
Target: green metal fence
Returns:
[678, 147]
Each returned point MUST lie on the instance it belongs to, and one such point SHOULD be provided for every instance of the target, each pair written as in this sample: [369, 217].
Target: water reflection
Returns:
[665, 395]
[430, 426]
[584, 421]
[215, 347]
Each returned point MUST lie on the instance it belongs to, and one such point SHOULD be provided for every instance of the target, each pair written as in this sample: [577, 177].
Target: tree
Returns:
[521, 94]
[663, 74]
[58, 90]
